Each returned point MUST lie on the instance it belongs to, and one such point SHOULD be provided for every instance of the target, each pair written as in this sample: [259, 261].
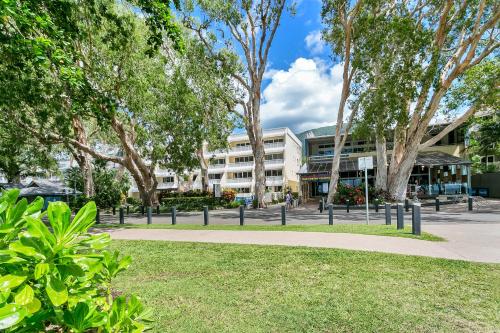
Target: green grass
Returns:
[378, 230]
[199, 287]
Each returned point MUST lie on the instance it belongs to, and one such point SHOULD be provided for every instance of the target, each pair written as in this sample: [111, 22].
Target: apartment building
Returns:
[439, 169]
[234, 167]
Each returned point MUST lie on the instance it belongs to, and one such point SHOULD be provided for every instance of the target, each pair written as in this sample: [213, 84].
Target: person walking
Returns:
[288, 200]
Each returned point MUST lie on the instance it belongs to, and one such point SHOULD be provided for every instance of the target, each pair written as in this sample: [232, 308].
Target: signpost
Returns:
[217, 191]
[365, 163]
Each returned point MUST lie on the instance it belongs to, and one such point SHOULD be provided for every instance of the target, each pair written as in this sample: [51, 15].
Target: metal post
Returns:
[205, 215]
[128, 209]
[158, 210]
[400, 216]
[366, 196]
[114, 210]
[376, 205]
[407, 205]
[283, 215]
[321, 205]
[347, 205]
[437, 204]
[388, 214]
[330, 214]
[242, 215]
[430, 180]
[150, 213]
[174, 215]
[122, 215]
[142, 210]
[415, 219]
[470, 201]
[98, 216]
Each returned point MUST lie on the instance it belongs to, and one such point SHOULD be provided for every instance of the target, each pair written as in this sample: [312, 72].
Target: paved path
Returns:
[458, 246]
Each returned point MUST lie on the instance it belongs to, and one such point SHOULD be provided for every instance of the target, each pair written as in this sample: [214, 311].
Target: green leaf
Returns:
[59, 216]
[26, 250]
[35, 206]
[10, 315]
[10, 281]
[98, 242]
[34, 306]
[24, 296]
[41, 269]
[57, 291]
[3, 206]
[83, 219]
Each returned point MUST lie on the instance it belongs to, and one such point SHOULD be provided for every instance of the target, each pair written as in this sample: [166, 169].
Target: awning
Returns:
[321, 169]
[437, 158]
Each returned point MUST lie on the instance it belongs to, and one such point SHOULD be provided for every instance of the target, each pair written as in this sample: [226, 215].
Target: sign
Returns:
[365, 163]
[217, 191]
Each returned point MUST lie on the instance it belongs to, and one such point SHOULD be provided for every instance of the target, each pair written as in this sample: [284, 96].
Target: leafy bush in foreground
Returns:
[58, 279]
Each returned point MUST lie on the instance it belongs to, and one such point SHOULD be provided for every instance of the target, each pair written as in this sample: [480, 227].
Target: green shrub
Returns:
[356, 194]
[232, 204]
[228, 195]
[133, 201]
[191, 204]
[59, 277]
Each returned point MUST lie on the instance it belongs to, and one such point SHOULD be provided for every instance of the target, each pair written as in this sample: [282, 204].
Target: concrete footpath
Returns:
[461, 244]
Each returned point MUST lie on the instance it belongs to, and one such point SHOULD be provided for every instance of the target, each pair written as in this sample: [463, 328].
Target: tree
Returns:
[252, 26]
[110, 187]
[21, 156]
[456, 37]
[144, 105]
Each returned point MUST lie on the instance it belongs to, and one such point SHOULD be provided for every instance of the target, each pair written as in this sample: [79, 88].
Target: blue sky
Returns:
[302, 86]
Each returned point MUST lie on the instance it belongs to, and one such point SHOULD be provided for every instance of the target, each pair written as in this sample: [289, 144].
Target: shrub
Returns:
[356, 194]
[191, 204]
[232, 204]
[228, 195]
[59, 277]
[133, 201]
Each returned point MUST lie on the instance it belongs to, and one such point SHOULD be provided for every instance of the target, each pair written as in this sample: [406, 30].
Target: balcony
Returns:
[166, 186]
[241, 165]
[211, 182]
[273, 162]
[274, 145]
[239, 180]
[274, 180]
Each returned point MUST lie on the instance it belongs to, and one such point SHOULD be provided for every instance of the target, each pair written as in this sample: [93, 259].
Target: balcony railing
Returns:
[165, 186]
[239, 180]
[241, 164]
[276, 161]
[213, 181]
[241, 148]
[216, 166]
[274, 179]
[274, 145]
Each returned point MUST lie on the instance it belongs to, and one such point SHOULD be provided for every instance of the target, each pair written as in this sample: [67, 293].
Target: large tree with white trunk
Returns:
[251, 25]
[452, 38]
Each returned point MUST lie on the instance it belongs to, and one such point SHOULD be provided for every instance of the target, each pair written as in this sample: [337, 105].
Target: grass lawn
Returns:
[198, 287]
[378, 230]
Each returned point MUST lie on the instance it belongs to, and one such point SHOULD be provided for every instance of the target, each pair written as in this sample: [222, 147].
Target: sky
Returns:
[302, 84]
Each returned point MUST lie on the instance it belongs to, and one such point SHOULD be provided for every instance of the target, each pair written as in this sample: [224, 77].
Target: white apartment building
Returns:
[234, 167]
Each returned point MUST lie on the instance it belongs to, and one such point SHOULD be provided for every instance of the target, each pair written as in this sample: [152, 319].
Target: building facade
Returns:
[439, 169]
[234, 167]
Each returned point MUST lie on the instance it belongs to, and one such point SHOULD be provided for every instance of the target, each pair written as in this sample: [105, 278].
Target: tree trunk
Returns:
[83, 158]
[203, 170]
[398, 180]
[256, 138]
[381, 147]
[334, 178]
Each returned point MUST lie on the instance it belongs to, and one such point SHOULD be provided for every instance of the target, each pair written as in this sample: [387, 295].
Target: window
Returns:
[194, 177]
[490, 159]
[243, 159]
[330, 145]
[270, 141]
[169, 179]
[243, 144]
[215, 176]
[242, 190]
[271, 173]
[244, 174]
[218, 161]
[271, 157]
[278, 189]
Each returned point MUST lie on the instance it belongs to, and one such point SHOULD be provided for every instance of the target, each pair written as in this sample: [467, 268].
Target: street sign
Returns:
[365, 162]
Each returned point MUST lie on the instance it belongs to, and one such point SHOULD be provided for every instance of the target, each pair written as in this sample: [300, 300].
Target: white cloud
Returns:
[314, 43]
[303, 97]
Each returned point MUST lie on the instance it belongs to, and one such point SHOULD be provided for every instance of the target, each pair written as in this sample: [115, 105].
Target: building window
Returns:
[215, 176]
[330, 145]
[169, 179]
[243, 159]
[271, 157]
[278, 189]
[218, 161]
[243, 144]
[244, 174]
[270, 141]
[271, 173]
[194, 177]
[242, 190]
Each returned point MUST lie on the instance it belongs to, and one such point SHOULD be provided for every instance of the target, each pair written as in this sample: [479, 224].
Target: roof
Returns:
[44, 188]
[435, 158]
[7, 186]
